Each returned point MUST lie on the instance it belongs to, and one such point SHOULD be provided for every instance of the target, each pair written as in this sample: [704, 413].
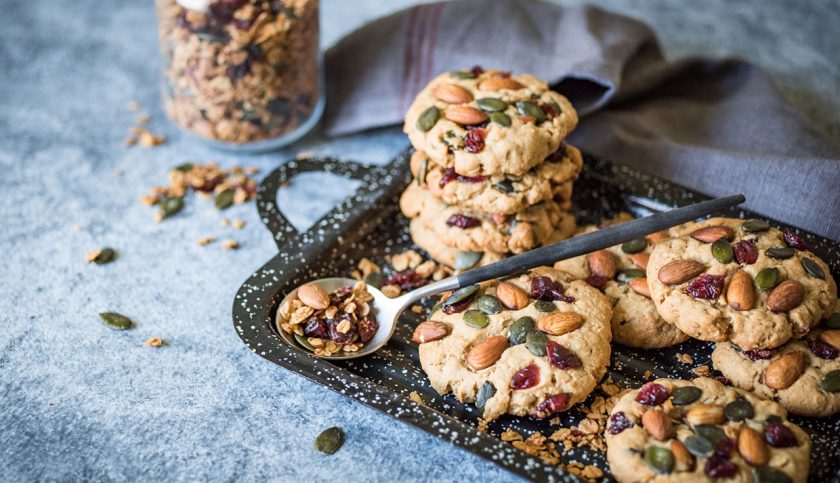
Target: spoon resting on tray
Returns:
[387, 310]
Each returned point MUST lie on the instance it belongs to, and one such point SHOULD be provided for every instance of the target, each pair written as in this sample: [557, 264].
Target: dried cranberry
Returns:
[779, 436]
[544, 288]
[757, 354]
[554, 404]
[477, 70]
[208, 184]
[339, 337]
[238, 71]
[706, 286]
[559, 154]
[619, 422]
[474, 140]
[559, 356]
[548, 110]
[316, 327]
[449, 174]
[724, 447]
[406, 279]
[526, 377]
[652, 394]
[367, 328]
[463, 221]
[822, 350]
[597, 281]
[746, 253]
[793, 240]
[720, 378]
[340, 295]
[458, 306]
[717, 467]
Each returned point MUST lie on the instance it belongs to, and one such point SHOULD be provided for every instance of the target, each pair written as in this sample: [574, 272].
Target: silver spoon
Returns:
[388, 310]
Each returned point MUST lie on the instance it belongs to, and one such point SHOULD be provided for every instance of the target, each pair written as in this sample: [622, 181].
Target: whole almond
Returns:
[602, 264]
[786, 296]
[705, 414]
[511, 296]
[679, 271]
[752, 447]
[741, 291]
[657, 237]
[499, 83]
[452, 94]
[640, 286]
[657, 424]
[830, 337]
[314, 296]
[708, 234]
[560, 323]
[429, 331]
[684, 459]
[487, 353]
[785, 370]
[640, 259]
[464, 115]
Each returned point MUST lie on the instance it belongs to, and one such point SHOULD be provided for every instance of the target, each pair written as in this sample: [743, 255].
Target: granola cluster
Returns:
[410, 271]
[241, 70]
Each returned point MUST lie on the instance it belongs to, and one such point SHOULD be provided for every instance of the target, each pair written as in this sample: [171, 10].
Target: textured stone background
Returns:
[81, 401]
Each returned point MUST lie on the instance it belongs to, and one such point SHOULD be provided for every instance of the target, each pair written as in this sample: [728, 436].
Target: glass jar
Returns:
[242, 74]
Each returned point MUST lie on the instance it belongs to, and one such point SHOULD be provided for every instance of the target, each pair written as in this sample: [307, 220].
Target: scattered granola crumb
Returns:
[133, 106]
[118, 172]
[367, 267]
[416, 397]
[482, 425]
[143, 119]
[252, 170]
[238, 224]
[391, 290]
[206, 241]
[701, 370]
[305, 154]
[155, 342]
[101, 256]
[224, 222]
[130, 141]
[159, 216]
[230, 244]
[684, 358]
[417, 309]
[648, 375]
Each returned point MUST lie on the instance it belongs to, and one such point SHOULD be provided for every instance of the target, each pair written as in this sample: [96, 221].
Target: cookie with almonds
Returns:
[726, 279]
[484, 123]
[532, 345]
[701, 430]
[502, 194]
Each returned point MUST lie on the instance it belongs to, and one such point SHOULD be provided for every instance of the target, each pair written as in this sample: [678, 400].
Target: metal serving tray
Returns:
[369, 224]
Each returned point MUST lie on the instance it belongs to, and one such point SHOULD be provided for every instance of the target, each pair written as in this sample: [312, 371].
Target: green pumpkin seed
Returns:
[710, 432]
[755, 226]
[467, 260]
[170, 206]
[500, 118]
[536, 341]
[461, 294]
[768, 474]
[485, 393]
[184, 168]
[376, 279]
[330, 440]
[428, 118]
[519, 330]
[767, 278]
[224, 199]
[833, 322]
[476, 319]
[831, 382]
[421, 173]
[545, 306]
[739, 410]
[699, 446]
[491, 104]
[634, 246]
[557, 108]
[780, 253]
[488, 304]
[773, 419]
[461, 74]
[103, 256]
[685, 395]
[659, 459]
[505, 186]
[116, 321]
[527, 108]
[813, 269]
[211, 37]
[722, 251]
[625, 276]
[304, 343]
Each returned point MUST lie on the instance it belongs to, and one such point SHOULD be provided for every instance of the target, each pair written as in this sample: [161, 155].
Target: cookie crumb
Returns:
[648, 375]
[155, 342]
[391, 291]
[132, 106]
[417, 309]
[143, 119]
[146, 139]
[230, 244]
[684, 358]
[224, 222]
[206, 241]
[130, 141]
[482, 425]
[238, 224]
[416, 397]
[701, 370]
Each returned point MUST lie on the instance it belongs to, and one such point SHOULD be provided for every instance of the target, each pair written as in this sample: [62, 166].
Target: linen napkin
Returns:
[717, 126]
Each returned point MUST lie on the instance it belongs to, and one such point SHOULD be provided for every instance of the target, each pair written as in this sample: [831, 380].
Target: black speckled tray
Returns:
[368, 224]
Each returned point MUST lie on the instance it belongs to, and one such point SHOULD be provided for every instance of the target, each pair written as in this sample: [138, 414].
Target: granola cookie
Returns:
[469, 230]
[701, 430]
[484, 123]
[501, 194]
[533, 345]
[727, 279]
[460, 260]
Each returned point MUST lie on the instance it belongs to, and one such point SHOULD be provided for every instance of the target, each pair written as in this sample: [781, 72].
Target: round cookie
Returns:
[521, 124]
[701, 430]
[431, 244]
[502, 194]
[695, 291]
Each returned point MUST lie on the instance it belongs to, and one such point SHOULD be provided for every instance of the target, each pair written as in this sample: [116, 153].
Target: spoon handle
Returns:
[598, 240]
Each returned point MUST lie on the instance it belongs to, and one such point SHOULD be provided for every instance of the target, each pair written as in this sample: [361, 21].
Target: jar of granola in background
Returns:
[243, 74]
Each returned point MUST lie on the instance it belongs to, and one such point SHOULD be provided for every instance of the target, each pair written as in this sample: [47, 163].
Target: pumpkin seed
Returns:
[467, 260]
[685, 395]
[485, 393]
[773, 419]
[488, 304]
[211, 37]
[755, 225]
[767, 278]
[545, 306]
[184, 168]
[171, 205]
[461, 74]
[491, 104]
[831, 382]
[660, 459]
[722, 251]
[421, 173]
[699, 446]
[527, 108]
[536, 341]
[556, 107]
[768, 474]
[476, 319]
[739, 410]
[813, 269]
[461, 294]
[304, 343]
[428, 118]
[330, 440]
[833, 322]
[519, 329]
[224, 199]
[505, 186]
[625, 276]
[376, 279]
[780, 253]
[709, 432]
[634, 246]
[105, 255]
[500, 118]
[116, 321]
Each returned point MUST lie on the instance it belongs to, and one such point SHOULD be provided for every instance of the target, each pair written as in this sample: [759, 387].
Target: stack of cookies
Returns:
[493, 174]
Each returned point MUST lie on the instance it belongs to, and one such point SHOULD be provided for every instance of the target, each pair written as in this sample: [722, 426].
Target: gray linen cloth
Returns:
[717, 126]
